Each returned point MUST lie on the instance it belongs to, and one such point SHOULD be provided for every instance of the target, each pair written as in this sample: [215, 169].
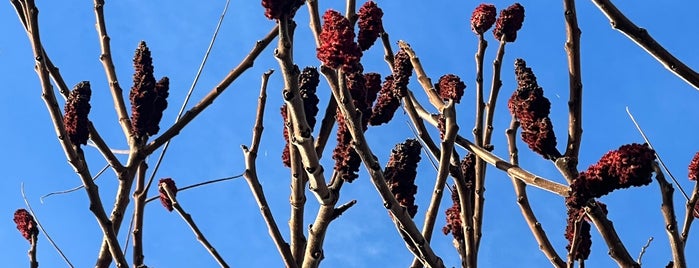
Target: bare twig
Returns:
[188, 219]
[138, 214]
[575, 243]
[297, 201]
[617, 250]
[668, 209]
[422, 77]
[643, 251]
[41, 227]
[690, 211]
[253, 181]
[523, 202]
[73, 153]
[642, 38]
[41, 199]
[572, 48]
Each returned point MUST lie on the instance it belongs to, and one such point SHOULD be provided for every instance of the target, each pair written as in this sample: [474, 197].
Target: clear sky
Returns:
[616, 74]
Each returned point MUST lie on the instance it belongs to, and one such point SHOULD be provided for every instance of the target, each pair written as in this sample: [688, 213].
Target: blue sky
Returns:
[616, 74]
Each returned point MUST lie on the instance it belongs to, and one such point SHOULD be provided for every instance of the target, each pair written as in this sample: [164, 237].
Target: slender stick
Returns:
[478, 132]
[617, 250]
[108, 64]
[643, 39]
[188, 219]
[523, 202]
[668, 209]
[422, 77]
[138, 214]
[643, 251]
[572, 48]
[297, 201]
[73, 153]
[41, 227]
[575, 243]
[690, 210]
[41, 199]
[253, 181]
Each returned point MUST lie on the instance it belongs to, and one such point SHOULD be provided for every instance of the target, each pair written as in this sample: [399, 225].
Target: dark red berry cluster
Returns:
[148, 97]
[77, 108]
[483, 18]
[401, 171]
[164, 198]
[509, 22]
[370, 24]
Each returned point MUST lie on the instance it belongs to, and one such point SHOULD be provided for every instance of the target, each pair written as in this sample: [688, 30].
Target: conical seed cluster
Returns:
[77, 108]
[164, 198]
[483, 18]
[25, 224]
[337, 46]
[401, 171]
[148, 97]
[370, 24]
[509, 22]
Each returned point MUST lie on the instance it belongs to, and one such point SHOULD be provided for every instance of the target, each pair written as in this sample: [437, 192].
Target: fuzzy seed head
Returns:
[76, 109]
[308, 84]
[386, 104]
[370, 24]
[509, 22]
[694, 168]
[337, 47]
[274, 9]
[25, 224]
[483, 18]
[401, 171]
[164, 198]
[402, 70]
[450, 87]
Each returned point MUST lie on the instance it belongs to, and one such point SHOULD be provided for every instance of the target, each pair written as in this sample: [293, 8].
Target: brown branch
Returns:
[253, 181]
[422, 77]
[523, 202]
[188, 219]
[643, 39]
[207, 100]
[572, 48]
[690, 211]
[478, 132]
[73, 153]
[412, 236]
[138, 214]
[575, 243]
[297, 201]
[108, 64]
[668, 209]
[617, 250]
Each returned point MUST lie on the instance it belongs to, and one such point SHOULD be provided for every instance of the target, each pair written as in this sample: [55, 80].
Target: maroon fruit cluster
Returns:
[402, 70]
[286, 154]
[468, 169]
[370, 24]
[148, 97]
[372, 83]
[26, 224]
[630, 165]
[274, 9]
[529, 106]
[694, 168]
[509, 22]
[454, 218]
[308, 84]
[450, 87]
[483, 18]
[77, 108]
[164, 198]
[347, 161]
[583, 240]
[386, 104]
[401, 171]
[337, 47]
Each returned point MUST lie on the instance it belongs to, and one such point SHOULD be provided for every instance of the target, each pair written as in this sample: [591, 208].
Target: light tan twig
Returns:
[138, 214]
[422, 77]
[643, 39]
[253, 181]
[523, 202]
[690, 210]
[668, 209]
[643, 251]
[575, 243]
[41, 199]
[572, 47]
[188, 219]
[617, 250]
[73, 153]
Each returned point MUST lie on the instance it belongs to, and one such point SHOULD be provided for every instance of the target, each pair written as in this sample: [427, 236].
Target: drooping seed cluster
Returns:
[450, 87]
[401, 171]
[529, 106]
[370, 24]
[453, 214]
[76, 109]
[274, 9]
[337, 46]
[25, 224]
[694, 168]
[509, 22]
[148, 97]
[630, 165]
[308, 84]
[483, 18]
[402, 70]
[164, 198]
[386, 104]
[584, 239]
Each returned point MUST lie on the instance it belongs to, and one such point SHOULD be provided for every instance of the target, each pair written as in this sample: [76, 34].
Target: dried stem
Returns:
[643, 39]
[480, 165]
[572, 48]
[643, 251]
[405, 225]
[617, 250]
[668, 209]
[422, 77]
[73, 153]
[138, 214]
[523, 202]
[106, 59]
[301, 138]
[253, 181]
[188, 219]
[297, 201]
[575, 243]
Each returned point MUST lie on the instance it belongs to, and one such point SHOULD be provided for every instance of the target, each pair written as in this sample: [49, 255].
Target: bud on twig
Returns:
[483, 18]
[337, 47]
[77, 108]
[401, 171]
[509, 22]
[370, 24]
[164, 198]
[25, 224]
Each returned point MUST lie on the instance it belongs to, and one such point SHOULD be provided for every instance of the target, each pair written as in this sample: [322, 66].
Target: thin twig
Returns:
[180, 190]
[572, 47]
[668, 210]
[643, 251]
[690, 211]
[253, 181]
[422, 77]
[642, 38]
[577, 225]
[41, 199]
[617, 250]
[41, 227]
[523, 202]
[662, 164]
[188, 219]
